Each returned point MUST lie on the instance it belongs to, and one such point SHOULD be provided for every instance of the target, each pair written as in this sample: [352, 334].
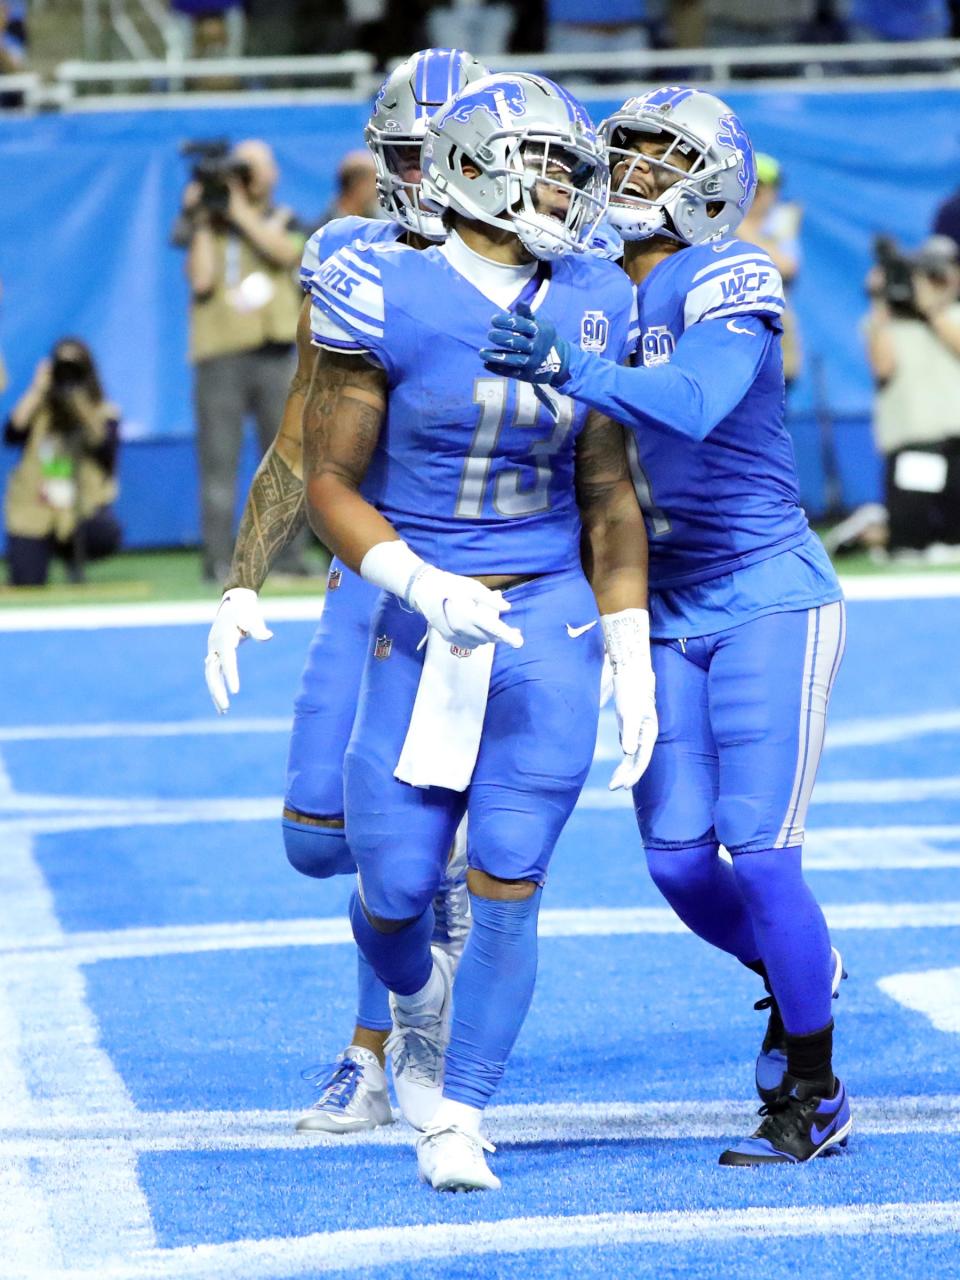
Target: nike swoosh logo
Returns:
[722, 248]
[573, 632]
[818, 1135]
[731, 325]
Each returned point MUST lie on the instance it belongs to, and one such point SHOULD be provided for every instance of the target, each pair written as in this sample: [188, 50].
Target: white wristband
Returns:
[626, 636]
[392, 566]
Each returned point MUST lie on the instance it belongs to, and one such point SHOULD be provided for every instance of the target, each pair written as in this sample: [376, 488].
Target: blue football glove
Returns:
[523, 346]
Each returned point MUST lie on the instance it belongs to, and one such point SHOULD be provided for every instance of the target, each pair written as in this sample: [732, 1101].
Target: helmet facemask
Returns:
[563, 192]
[395, 157]
[550, 191]
[683, 176]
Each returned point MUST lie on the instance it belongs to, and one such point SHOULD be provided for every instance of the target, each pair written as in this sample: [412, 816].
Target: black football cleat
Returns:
[800, 1124]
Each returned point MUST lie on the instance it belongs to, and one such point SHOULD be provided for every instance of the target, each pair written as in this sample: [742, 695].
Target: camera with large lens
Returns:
[897, 269]
[67, 374]
[213, 168]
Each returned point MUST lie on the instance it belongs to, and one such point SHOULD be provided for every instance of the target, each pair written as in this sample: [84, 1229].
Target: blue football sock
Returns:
[792, 936]
[317, 851]
[491, 996]
[373, 999]
[703, 890]
[401, 960]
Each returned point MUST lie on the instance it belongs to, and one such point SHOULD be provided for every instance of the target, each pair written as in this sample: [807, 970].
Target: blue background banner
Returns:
[89, 200]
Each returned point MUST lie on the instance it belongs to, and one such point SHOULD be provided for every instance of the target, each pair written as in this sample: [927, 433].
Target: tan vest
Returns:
[921, 402]
[44, 493]
[253, 302]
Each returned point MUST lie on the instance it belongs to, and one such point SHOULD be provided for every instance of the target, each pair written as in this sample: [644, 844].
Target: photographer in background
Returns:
[774, 225]
[913, 343]
[59, 496]
[242, 252]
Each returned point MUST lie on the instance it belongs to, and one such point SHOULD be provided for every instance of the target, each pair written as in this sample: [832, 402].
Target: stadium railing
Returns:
[83, 85]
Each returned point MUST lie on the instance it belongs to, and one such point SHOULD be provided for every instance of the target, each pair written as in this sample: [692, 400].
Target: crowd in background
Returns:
[390, 28]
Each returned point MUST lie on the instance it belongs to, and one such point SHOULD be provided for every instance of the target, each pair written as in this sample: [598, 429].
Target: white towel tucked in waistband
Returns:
[443, 737]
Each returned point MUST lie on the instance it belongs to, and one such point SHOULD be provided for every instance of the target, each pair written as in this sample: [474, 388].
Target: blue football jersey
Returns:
[473, 470]
[717, 504]
[326, 240]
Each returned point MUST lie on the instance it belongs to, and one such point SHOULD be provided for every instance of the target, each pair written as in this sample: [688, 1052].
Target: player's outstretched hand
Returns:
[238, 616]
[521, 345]
[464, 611]
[627, 638]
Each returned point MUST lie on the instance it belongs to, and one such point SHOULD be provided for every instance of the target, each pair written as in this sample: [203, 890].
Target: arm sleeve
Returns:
[347, 312]
[710, 372]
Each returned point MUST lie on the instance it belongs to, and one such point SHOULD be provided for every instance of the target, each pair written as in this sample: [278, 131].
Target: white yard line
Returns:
[867, 791]
[887, 790]
[43, 813]
[120, 729]
[36, 951]
[96, 617]
[377, 1247]
[58, 1070]
[876, 853]
[873, 731]
[566, 1122]
[869, 731]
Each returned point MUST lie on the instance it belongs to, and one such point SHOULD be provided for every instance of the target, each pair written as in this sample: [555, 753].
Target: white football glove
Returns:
[237, 617]
[606, 681]
[626, 636]
[464, 611]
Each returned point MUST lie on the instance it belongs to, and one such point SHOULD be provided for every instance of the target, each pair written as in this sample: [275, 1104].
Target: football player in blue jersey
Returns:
[746, 612]
[464, 496]
[352, 1094]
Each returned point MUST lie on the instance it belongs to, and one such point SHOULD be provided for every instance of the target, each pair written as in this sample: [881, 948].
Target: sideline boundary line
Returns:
[92, 617]
[51, 1137]
[83, 948]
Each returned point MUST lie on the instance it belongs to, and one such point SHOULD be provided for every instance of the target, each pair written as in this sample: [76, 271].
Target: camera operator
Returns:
[913, 341]
[245, 302]
[59, 495]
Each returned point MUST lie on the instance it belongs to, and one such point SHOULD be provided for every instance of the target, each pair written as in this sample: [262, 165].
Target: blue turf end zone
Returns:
[162, 992]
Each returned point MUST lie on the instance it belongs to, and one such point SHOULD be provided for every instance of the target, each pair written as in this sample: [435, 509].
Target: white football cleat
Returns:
[451, 905]
[353, 1096]
[451, 1159]
[417, 1045]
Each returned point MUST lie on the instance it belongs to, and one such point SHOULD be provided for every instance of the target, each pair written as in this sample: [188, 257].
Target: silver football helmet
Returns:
[539, 168]
[394, 132]
[707, 154]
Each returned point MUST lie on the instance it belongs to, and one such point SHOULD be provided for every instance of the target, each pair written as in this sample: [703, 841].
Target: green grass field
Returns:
[148, 576]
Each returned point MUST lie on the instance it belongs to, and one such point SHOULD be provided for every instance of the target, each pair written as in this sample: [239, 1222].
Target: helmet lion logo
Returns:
[501, 101]
[732, 134]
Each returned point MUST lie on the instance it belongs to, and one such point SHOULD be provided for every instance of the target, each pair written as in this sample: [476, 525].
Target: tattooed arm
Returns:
[614, 540]
[341, 426]
[274, 512]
